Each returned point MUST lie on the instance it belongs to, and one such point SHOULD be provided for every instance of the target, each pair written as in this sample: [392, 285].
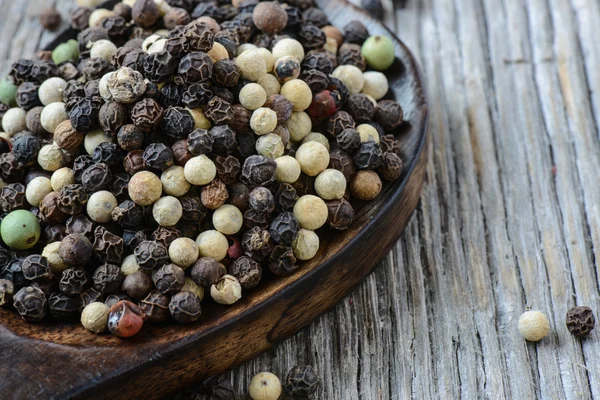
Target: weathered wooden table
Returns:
[510, 217]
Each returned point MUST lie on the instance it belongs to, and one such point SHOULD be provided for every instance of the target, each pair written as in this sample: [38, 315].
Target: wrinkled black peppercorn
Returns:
[580, 320]
[301, 381]
[368, 156]
[247, 271]
[62, 306]
[36, 267]
[169, 279]
[206, 272]
[151, 255]
[73, 281]
[259, 171]
[107, 279]
[31, 304]
[155, 306]
[177, 122]
[185, 307]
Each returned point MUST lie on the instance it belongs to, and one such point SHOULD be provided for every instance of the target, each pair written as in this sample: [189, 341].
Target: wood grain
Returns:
[65, 361]
[508, 219]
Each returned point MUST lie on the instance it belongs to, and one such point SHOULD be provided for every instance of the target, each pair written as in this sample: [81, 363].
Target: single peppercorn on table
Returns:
[507, 220]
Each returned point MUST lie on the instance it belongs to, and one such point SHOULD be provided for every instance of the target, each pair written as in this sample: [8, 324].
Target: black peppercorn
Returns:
[75, 249]
[391, 166]
[177, 122]
[130, 137]
[311, 36]
[33, 122]
[92, 88]
[343, 162]
[146, 114]
[20, 71]
[151, 255]
[10, 169]
[285, 197]
[339, 122]
[54, 233]
[7, 291]
[80, 224]
[97, 177]
[185, 307]
[13, 272]
[282, 107]
[73, 281]
[176, 16]
[26, 148]
[349, 140]
[88, 296]
[317, 60]
[134, 162]
[580, 320]
[240, 122]
[239, 195]
[219, 111]
[389, 115]
[12, 197]
[31, 304]
[204, 9]
[339, 88]
[315, 16]
[128, 214]
[301, 381]
[341, 214]
[158, 156]
[145, 13]
[259, 171]
[80, 164]
[27, 96]
[193, 209]
[108, 247]
[368, 156]
[317, 81]
[36, 267]
[261, 200]
[228, 169]
[49, 211]
[171, 95]
[206, 272]
[360, 107]
[112, 116]
[247, 271]
[226, 73]
[356, 32]
[113, 299]
[169, 279]
[200, 141]
[224, 140]
[107, 279]
[197, 95]
[108, 153]
[80, 18]
[72, 199]
[116, 27]
[282, 261]
[198, 36]
[195, 67]
[166, 235]
[84, 114]
[257, 243]
[138, 285]
[253, 218]
[61, 306]
[181, 152]
[350, 54]
[155, 306]
[284, 228]
[96, 68]
[133, 58]
[158, 67]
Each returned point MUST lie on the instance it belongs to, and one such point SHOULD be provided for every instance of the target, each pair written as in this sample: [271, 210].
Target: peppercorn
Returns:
[195, 67]
[226, 291]
[51, 157]
[317, 60]
[284, 228]
[285, 197]
[20, 230]
[108, 247]
[12, 197]
[391, 167]
[225, 73]
[33, 121]
[580, 320]
[36, 267]
[145, 188]
[61, 306]
[301, 381]
[238, 195]
[145, 13]
[113, 299]
[137, 285]
[366, 185]
[72, 199]
[75, 249]
[176, 16]
[13, 272]
[49, 211]
[206, 272]
[181, 153]
[80, 17]
[379, 52]
[350, 54]
[14, 121]
[214, 195]
[341, 214]
[263, 121]
[107, 279]
[84, 114]
[356, 32]
[73, 281]
[151, 255]
[389, 115]
[159, 66]
[80, 224]
[264, 386]
[254, 218]
[169, 279]
[89, 296]
[257, 244]
[31, 304]
[219, 111]
[27, 96]
[247, 271]
[7, 290]
[349, 140]
[212, 243]
[94, 317]
[185, 307]
[199, 36]
[125, 319]
[155, 306]
[368, 156]
[146, 114]
[339, 122]
[534, 325]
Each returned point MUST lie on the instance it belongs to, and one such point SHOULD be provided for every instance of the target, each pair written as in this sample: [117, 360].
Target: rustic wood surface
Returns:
[508, 220]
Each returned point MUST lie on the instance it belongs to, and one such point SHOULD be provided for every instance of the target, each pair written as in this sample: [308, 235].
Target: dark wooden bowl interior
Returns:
[63, 360]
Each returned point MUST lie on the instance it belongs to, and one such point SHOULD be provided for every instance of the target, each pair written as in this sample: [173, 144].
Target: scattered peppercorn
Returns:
[580, 320]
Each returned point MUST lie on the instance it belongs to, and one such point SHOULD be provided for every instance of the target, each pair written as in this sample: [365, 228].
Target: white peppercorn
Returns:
[305, 245]
[37, 189]
[50, 253]
[157, 46]
[331, 184]
[351, 76]
[130, 265]
[368, 132]
[218, 52]
[150, 40]
[94, 317]
[319, 138]
[98, 15]
[252, 96]
[200, 170]
[144, 188]
[226, 291]
[268, 57]
[104, 49]
[191, 286]
[103, 87]
[167, 211]
[270, 84]
[213, 244]
[270, 146]
[228, 219]
[252, 65]
[298, 92]
[50, 157]
[126, 85]
[299, 125]
[245, 47]
[265, 386]
[311, 212]
[263, 121]
[184, 252]
[61, 178]
[100, 206]
[52, 90]
[288, 169]
[331, 45]
[375, 84]
[288, 47]
[52, 115]
[534, 325]
[313, 158]
[14, 121]
[93, 139]
[174, 182]
[200, 120]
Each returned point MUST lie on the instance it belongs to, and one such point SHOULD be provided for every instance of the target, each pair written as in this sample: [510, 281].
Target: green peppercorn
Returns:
[20, 230]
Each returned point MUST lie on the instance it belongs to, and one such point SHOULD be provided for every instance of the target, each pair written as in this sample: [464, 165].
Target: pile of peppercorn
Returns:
[184, 146]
